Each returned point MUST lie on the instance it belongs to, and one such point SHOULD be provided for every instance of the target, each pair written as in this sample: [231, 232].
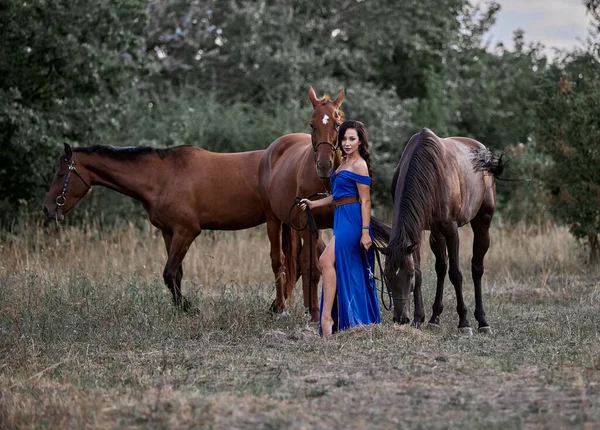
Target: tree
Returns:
[568, 131]
[64, 66]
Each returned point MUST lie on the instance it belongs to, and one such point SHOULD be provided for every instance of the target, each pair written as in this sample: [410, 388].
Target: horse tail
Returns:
[484, 160]
[289, 242]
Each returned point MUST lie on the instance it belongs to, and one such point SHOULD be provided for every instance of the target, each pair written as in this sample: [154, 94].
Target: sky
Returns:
[554, 23]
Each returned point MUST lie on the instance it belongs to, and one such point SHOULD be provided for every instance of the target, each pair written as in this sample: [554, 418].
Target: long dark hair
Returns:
[361, 131]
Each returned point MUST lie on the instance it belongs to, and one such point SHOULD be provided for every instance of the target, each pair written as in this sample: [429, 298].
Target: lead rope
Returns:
[383, 280]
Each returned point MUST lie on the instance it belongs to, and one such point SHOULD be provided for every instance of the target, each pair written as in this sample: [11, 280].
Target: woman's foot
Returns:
[326, 326]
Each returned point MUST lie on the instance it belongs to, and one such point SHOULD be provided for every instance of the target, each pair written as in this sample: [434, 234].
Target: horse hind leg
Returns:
[481, 243]
[455, 275]
[290, 248]
[437, 243]
[311, 273]
[177, 246]
[274, 231]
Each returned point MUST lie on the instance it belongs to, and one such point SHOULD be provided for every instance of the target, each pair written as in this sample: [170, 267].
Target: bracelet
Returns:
[366, 227]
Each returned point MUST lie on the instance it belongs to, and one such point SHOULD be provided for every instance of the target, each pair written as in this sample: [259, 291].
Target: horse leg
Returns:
[311, 273]
[437, 243]
[481, 243]
[168, 237]
[289, 246]
[418, 294]
[177, 246]
[455, 275]
[274, 231]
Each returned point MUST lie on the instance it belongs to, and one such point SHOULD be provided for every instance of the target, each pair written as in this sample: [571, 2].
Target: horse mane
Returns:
[326, 99]
[125, 152]
[422, 188]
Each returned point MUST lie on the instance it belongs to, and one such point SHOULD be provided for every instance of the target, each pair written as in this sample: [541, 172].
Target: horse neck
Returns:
[135, 177]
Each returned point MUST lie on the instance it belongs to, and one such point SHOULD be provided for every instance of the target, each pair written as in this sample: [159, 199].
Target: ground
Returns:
[104, 350]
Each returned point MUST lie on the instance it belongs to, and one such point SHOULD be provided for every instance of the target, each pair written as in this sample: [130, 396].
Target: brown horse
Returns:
[287, 170]
[184, 190]
[440, 185]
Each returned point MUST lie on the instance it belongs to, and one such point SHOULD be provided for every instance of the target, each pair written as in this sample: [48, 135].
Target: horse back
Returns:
[221, 189]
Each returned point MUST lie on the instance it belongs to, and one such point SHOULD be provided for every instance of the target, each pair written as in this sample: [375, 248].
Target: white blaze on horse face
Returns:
[325, 119]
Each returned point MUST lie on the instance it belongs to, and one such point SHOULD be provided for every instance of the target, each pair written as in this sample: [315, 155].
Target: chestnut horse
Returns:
[440, 185]
[184, 189]
[287, 170]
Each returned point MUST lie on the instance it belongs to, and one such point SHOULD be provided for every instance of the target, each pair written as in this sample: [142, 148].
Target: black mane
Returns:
[422, 187]
[125, 152]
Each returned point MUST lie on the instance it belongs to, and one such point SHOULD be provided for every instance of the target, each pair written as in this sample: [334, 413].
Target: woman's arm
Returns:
[313, 204]
[364, 192]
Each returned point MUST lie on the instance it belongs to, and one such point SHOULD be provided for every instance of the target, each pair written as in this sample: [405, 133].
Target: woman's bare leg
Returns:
[327, 265]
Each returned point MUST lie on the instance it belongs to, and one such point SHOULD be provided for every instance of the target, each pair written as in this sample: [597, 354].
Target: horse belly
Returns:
[232, 212]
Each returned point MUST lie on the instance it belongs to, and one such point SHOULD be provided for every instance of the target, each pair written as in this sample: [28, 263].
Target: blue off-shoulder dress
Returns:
[356, 297]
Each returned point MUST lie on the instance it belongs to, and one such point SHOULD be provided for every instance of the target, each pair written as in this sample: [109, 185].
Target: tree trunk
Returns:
[594, 250]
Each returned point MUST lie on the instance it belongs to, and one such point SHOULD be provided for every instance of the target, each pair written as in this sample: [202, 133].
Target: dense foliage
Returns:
[64, 67]
[568, 132]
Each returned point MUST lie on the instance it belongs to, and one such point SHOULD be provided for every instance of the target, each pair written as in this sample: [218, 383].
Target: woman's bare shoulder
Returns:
[360, 167]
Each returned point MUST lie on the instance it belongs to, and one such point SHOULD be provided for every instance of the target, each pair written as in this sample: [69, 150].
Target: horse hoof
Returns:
[311, 316]
[433, 326]
[467, 331]
[402, 320]
[184, 305]
[485, 330]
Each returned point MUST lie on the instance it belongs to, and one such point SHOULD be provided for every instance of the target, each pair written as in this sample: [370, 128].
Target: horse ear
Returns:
[68, 151]
[312, 96]
[340, 98]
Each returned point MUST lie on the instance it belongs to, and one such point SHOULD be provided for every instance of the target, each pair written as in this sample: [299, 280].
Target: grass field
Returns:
[88, 338]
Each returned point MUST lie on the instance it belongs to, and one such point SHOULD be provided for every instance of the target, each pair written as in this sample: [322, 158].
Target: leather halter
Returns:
[61, 200]
[333, 147]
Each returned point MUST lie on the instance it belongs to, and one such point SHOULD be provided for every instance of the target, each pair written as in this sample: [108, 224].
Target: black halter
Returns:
[61, 200]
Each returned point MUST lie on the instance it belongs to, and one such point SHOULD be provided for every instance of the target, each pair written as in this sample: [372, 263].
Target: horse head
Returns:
[68, 186]
[325, 123]
[400, 274]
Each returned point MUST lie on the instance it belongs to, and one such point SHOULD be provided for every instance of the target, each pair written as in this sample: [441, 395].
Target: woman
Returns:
[345, 264]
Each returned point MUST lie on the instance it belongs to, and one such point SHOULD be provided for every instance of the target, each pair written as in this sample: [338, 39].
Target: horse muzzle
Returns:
[401, 311]
[55, 214]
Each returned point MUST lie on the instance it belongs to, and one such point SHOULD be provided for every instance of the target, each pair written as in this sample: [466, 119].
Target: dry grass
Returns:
[89, 339]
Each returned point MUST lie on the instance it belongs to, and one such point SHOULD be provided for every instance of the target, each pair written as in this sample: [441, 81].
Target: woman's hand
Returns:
[306, 203]
[365, 240]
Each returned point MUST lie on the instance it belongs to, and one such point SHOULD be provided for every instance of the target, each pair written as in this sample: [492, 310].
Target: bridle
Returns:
[61, 200]
[332, 146]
